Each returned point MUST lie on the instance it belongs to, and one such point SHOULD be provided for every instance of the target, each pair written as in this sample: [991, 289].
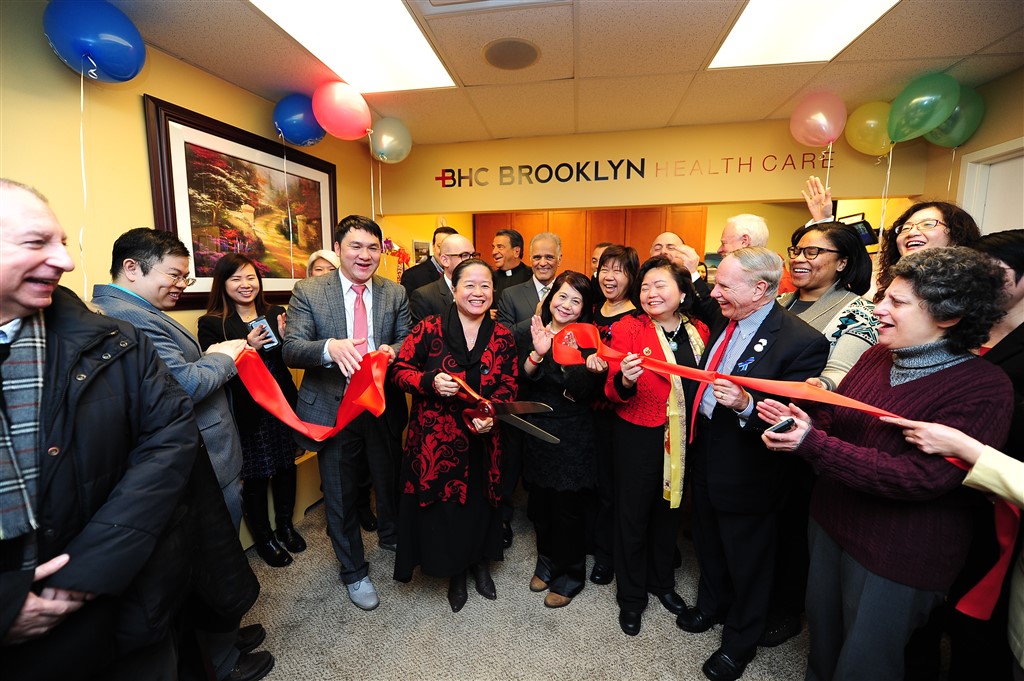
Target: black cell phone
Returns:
[784, 426]
[262, 321]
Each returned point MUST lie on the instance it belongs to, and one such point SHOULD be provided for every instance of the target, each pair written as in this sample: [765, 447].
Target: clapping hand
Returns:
[541, 336]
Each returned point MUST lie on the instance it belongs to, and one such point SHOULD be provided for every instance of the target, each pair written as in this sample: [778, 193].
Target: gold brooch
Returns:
[647, 352]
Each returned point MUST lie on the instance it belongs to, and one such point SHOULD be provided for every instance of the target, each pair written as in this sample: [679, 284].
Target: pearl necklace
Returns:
[672, 337]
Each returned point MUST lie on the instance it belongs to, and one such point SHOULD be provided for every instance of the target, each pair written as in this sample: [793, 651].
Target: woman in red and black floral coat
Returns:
[448, 518]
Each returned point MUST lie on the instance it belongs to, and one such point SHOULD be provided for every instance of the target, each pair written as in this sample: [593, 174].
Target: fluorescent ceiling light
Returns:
[796, 31]
[373, 45]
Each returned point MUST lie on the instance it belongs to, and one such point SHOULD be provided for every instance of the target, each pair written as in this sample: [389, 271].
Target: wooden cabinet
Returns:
[581, 230]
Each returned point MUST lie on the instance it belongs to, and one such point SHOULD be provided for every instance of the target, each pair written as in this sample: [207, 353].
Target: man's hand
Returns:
[230, 348]
[730, 395]
[40, 614]
[818, 198]
[689, 258]
[343, 353]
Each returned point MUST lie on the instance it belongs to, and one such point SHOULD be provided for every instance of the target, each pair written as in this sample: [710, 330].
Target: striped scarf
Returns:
[19, 429]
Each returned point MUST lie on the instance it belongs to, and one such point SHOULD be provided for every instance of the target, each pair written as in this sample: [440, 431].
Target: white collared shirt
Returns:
[350, 302]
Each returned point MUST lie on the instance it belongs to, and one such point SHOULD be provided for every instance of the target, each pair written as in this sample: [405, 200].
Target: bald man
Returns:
[435, 297]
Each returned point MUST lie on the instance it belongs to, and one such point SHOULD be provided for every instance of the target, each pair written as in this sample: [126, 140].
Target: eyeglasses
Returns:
[178, 279]
[465, 255]
[922, 226]
[810, 252]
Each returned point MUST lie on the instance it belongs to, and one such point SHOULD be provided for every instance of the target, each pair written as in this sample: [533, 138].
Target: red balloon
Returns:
[818, 120]
[341, 110]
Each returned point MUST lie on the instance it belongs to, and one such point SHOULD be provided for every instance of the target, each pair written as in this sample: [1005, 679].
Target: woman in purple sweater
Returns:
[890, 526]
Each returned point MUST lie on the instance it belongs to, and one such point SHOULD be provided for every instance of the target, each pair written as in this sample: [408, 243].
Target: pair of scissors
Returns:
[503, 411]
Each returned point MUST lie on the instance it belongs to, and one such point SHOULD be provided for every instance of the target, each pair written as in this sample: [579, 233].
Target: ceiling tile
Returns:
[461, 39]
[528, 110]
[734, 95]
[610, 103]
[636, 37]
[981, 68]
[1011, 44]
[432, 116]
[936, 28]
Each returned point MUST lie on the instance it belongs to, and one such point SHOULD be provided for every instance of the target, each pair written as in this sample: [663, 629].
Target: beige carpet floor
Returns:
[315, 632]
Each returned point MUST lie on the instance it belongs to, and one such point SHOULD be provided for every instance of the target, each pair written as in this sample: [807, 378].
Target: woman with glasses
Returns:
[891, 527]
[617, 271]
[268, 450]
[933, 224]
[831, 270]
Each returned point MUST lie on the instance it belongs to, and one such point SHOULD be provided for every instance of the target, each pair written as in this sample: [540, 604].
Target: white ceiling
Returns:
[605, 65]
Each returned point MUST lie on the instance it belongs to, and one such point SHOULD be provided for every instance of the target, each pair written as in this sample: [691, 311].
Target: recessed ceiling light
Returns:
[374, 46]
[796, 31]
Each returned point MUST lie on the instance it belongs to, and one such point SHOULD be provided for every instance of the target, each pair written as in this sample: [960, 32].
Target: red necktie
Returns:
[716, 359]
[359, 326]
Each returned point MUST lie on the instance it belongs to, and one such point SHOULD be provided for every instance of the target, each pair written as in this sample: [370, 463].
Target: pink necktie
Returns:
[359, 326]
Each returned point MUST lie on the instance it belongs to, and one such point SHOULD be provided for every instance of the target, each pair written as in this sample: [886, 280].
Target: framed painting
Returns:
[420, 251]
[222, 189]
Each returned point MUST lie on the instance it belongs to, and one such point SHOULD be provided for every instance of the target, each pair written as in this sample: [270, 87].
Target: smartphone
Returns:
[262, 321]
[785, 425]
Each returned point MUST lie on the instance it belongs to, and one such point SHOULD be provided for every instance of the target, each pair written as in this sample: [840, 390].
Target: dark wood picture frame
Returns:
[174, 132]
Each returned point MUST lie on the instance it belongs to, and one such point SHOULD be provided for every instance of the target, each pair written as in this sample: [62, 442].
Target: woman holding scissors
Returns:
[450, 479]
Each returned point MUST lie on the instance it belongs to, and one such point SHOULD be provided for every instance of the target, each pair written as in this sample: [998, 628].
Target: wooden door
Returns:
[571, 228]
[690, 223]
[642, 226]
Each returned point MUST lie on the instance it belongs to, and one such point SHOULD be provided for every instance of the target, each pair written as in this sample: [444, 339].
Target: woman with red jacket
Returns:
[649, 437]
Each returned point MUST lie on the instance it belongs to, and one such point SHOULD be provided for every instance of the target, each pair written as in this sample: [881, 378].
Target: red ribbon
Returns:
[365, 392]
[978, 602]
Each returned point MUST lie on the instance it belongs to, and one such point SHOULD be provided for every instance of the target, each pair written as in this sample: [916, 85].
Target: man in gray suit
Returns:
[331, 325]
[435, 297]
[518, 303]
[150, 272]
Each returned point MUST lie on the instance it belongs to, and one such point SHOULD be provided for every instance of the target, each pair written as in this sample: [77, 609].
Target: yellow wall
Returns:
[404, 229]
[39, 137]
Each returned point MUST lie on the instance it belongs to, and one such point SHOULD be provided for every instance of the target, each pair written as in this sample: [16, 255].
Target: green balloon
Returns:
[919, 109]
[962, 123]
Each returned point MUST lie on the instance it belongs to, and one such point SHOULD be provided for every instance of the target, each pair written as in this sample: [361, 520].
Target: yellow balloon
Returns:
[867, 129]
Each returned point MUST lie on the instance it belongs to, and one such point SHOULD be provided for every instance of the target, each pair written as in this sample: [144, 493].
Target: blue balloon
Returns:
[294, 119]
[94, 38]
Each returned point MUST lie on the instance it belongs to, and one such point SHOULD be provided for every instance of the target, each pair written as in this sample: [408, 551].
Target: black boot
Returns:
[254, 508]
[283, 484]
[484, 583]
[457, 591]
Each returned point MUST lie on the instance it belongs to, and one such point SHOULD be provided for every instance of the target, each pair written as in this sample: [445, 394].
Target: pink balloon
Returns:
[818, 120]
[341, 110]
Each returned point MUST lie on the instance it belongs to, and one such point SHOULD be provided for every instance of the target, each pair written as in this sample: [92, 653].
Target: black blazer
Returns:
[741, 474]
[419, 275]
[243, 407]
[434, 298]
[1008, 354]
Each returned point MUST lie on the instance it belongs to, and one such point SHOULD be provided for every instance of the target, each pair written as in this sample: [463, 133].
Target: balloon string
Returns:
[885, 189]
[828, 164]
[380, 188]
[373, 202]
[85, 189]
[94, 71]
[288, 204]
[949, 182]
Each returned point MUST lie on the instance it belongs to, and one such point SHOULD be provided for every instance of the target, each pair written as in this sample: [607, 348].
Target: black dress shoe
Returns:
[290, 539]
[273, 553]
[457, 591]
[251, 667]
[694, 621]
[673, 602]
[601, 574]
[250, 638]
[780, 630]
[722, 667]
[506, 535]
[630, 622]
[484, 583]
[367, 520]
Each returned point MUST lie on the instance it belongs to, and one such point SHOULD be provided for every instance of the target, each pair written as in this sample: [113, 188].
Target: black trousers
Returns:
[557, 517]
[600, 518]
[645, 525]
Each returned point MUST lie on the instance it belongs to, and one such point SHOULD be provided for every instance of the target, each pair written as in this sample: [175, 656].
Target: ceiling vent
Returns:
[511, 54]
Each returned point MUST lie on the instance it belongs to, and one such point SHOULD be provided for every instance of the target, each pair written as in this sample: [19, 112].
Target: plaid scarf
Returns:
[19, 429]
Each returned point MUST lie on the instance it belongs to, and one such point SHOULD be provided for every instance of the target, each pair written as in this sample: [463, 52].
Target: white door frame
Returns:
[974, 175]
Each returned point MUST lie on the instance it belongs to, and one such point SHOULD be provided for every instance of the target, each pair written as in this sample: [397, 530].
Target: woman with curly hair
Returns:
[890, 527]
[931, 224]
